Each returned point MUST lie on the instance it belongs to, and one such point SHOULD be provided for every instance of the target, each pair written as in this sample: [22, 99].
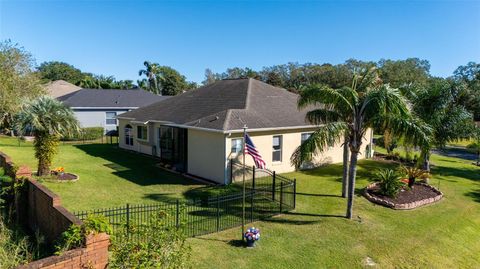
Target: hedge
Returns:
[87, 133]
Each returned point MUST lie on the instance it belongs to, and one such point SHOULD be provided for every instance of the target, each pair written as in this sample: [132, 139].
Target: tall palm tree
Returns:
[350, 112]
[151, 71]
[49, 119]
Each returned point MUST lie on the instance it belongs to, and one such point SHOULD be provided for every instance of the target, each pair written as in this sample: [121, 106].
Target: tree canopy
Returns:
[18, 82]
[163, 80]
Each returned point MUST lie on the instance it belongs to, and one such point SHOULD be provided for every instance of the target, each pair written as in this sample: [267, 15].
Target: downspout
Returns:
[225, 168]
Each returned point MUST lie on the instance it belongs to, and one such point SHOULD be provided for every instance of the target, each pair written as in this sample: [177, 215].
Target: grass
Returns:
[108, 176]
[315, 235]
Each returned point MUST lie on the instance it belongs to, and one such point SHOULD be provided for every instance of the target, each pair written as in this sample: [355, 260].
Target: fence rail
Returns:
[209, 215]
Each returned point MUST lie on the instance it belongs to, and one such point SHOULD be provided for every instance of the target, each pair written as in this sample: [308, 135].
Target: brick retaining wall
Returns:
[40, 209]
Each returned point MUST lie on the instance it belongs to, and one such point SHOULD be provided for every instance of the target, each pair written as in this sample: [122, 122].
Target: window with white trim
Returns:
[128, 135]
[237, 145]
[305, 136]
[142, 132]
[277, 148]
[111, 118]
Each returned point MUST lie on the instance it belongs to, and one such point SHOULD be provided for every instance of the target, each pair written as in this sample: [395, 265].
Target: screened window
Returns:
[142, 132]
[128, 135]
[305, 136]
[277, 148]
[111, 118]
[237, 145]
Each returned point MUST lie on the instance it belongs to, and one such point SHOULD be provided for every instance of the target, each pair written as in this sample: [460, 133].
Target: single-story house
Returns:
[200, 131]
[99, 108]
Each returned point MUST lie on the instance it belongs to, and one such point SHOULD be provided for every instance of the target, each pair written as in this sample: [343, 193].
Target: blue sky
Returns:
[115, 37]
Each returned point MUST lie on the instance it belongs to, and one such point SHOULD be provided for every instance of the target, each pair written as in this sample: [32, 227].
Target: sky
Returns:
[116, 37]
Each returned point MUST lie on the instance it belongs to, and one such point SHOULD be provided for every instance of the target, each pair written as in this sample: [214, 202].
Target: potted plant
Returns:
[252, 235]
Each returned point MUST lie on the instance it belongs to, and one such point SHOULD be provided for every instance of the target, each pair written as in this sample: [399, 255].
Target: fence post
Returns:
[128, 218]
[177, 221]
[294, 193]
[218, 214]
[281, 196]
[273, 187]
[253, 178]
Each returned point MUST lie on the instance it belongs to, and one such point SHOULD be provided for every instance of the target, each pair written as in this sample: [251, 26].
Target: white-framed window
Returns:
[237, 145]
[128, 135]
[305, 136]
[142, 132]
[277, 148]
[111, 118]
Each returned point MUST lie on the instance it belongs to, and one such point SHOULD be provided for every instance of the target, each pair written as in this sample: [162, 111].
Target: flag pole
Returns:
[243, 193]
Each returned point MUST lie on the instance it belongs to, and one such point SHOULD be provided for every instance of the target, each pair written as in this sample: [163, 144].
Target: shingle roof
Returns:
[110, 98]
[227, 105]
[60, 88]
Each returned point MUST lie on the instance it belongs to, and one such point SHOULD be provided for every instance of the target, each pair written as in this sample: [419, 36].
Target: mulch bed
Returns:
[65, 177]
[421, 194]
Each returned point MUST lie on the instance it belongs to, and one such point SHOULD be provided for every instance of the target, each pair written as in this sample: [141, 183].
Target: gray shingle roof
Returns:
[110, 98]
[227, 105]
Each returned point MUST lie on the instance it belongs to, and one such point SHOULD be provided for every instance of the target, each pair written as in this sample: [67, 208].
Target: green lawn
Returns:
[108, 176]
[443, 235]
[315, 235]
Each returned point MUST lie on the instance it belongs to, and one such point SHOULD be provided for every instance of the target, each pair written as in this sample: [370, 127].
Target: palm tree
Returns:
[151, 70]
[350, 112]
[49, 119]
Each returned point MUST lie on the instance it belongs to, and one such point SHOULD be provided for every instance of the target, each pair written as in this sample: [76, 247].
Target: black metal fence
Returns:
[267, 195]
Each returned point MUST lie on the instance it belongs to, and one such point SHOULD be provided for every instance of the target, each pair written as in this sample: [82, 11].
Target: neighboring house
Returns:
[200, 131]
[99, 108]
[60, 88]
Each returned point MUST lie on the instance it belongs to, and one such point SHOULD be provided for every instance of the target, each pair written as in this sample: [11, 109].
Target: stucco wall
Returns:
[143, 146]
[95, 118]
[291, 140]
[206, 155]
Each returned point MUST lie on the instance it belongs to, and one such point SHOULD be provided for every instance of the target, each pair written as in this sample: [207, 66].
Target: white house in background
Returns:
[200, 131]
[99, 108]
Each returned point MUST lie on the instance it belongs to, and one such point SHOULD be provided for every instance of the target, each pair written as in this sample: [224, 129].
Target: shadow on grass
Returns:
[475, 195]
[135, 167]
[468, 173]
[314, 215]
[319, 195]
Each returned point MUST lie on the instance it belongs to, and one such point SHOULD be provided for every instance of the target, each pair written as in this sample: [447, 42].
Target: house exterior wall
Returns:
[96, 117]
[206, 155]
[291, 139]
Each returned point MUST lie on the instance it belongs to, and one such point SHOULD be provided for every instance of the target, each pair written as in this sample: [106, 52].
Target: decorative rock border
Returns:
[405, 206]
[59, 180]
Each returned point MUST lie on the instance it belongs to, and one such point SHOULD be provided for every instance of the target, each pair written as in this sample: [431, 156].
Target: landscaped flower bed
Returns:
[421, 194]
[59, 175]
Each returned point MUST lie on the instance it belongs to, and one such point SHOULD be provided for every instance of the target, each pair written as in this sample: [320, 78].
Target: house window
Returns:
[142, 132]
[237, 145]
[305, 136]
[128, 135]
[277, 148]
[111, 118]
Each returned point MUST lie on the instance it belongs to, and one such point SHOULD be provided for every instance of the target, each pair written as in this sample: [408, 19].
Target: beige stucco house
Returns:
[200, 131]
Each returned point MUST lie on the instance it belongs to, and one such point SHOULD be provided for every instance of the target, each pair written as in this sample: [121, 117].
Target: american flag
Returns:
[251, 150]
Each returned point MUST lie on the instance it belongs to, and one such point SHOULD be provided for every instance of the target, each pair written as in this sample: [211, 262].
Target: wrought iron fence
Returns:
[267, 196]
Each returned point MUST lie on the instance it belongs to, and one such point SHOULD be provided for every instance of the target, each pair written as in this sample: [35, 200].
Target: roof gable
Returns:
[94, 98]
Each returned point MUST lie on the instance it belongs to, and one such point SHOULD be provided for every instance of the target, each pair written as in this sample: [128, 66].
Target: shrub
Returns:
[160, 246]
[87, 133]
[14, 248]
[74, 236]
[412, 173]
[389, 182]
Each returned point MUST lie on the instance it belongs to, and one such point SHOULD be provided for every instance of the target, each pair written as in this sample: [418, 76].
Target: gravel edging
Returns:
[406, 206]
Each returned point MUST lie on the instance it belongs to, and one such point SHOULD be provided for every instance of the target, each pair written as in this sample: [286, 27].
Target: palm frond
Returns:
[318, 141]
[322, 116]
[323, 95]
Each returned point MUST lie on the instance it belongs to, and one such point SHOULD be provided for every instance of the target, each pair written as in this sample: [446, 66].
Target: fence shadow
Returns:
[135, 167]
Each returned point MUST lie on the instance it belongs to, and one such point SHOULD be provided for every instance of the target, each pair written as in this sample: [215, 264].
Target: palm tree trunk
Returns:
[351, 182]
[43, 168]
[426, 160]
[346, 155]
